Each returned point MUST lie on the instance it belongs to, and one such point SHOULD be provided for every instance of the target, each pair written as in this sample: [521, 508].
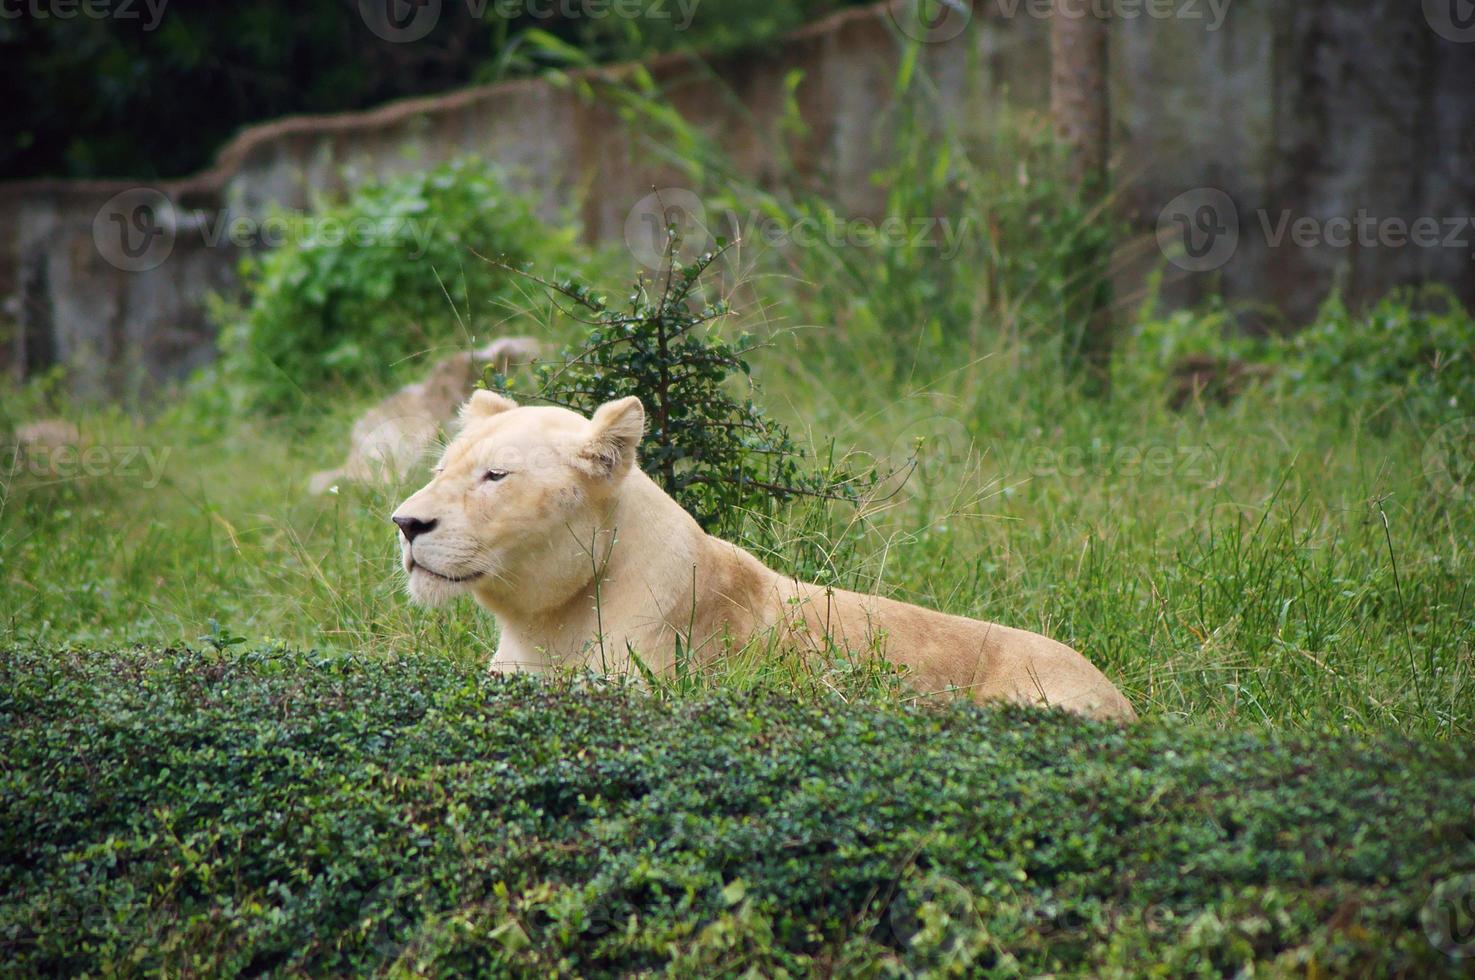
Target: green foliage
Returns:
[41, 395]
[995, 245]
[1153, 348]
[1412, 352]
[271, 811]
[980, 243]
[396, 271]
[1410, 355]
[720, 456]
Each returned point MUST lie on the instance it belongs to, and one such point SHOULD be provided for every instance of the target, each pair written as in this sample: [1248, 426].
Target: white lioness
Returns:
[393, 437]
[545, 519]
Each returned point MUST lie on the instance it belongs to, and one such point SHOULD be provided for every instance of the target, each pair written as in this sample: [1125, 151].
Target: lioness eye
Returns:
[492, 476]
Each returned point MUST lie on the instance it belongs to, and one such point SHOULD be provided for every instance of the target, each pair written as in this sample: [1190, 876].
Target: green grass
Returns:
[224, 812]
[1261, 565]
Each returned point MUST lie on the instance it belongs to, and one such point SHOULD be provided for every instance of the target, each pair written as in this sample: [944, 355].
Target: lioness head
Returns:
[517, 501]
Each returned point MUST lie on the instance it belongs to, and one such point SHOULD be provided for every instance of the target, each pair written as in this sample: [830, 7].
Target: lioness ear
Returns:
[484, 404]
[616, 430]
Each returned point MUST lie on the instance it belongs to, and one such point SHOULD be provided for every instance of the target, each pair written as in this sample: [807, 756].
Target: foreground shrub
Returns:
[278, 812]
[361, 288]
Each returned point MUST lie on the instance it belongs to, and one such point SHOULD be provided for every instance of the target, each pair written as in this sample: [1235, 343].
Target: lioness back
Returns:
[942, 653]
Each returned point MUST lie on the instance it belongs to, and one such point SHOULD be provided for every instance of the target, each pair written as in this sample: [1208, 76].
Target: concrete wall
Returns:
[1317, 112]
[1319, 108]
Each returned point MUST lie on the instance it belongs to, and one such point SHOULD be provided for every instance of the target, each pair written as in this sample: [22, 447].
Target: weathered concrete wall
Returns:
[1319, 108]
[1326, 113]
[120, 322]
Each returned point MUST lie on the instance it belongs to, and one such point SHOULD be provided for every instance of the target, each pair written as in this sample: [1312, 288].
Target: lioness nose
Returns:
[412, 527]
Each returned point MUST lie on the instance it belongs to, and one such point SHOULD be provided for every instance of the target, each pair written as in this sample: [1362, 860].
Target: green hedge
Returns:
[276, 811]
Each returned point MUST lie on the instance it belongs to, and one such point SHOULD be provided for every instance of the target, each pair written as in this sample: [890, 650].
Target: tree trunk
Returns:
[1078, 88]
[1081, 108]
